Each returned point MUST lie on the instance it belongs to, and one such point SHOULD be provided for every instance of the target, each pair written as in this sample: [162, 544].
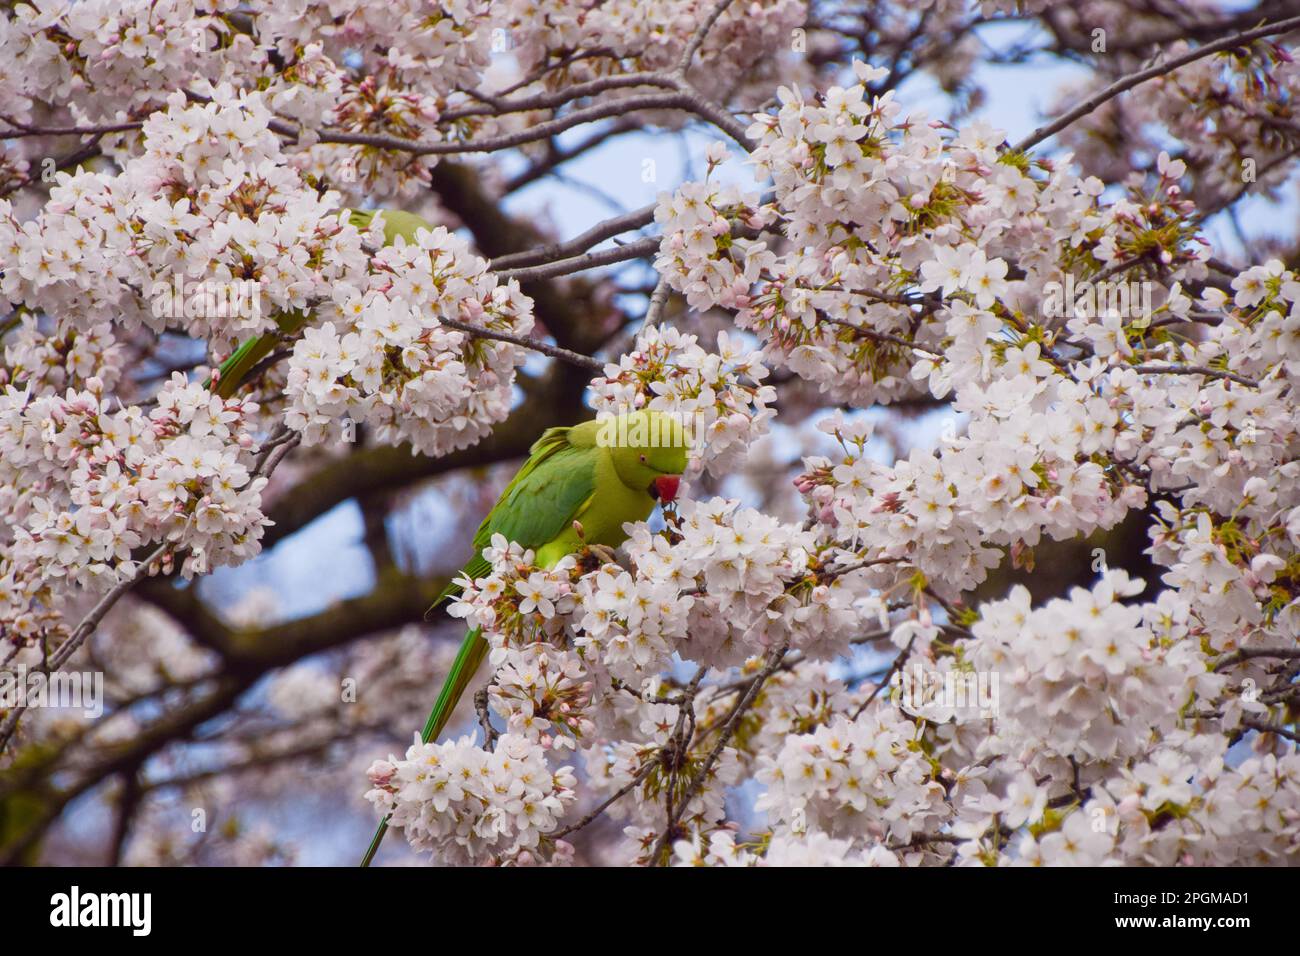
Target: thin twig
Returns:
[614, 798]
[889, 675]
[654, 311]
[728, 730]
[1194, 370]
[1250, 653]
[636, 249]
[701, 33]
[554, 351]
[490, 734]
[83, 631]
[1267, 728]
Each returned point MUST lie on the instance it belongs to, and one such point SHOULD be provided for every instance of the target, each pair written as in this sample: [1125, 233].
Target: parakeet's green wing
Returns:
[539, 503]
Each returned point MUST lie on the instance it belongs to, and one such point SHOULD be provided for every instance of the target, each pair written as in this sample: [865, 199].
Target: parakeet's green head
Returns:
[649, 450]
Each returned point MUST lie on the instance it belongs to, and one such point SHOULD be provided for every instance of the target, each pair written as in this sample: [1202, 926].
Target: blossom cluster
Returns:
[464, 802]
[97, 483]
[719, 397]
[1231, 113]
[210, 201]
[110, 59]
[812, 849]
[391, 364]
[886, 244]
[855, 778]
[767, 583]
[699, 255]
[1185, 805]
[368, 72]
[1089, 678]
[543, 694]
[648, 35]
[408, 71]
[573, 646]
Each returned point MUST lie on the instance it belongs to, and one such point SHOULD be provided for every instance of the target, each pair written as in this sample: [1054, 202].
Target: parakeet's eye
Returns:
[643, 459]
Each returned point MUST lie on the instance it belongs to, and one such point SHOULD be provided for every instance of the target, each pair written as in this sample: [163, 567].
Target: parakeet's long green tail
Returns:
[472, 652]
[244, 359]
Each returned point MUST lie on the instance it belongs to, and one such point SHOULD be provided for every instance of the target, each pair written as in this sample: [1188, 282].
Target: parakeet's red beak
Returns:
[665, 487]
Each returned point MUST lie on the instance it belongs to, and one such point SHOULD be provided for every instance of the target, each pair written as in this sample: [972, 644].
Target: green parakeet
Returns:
[578, 488]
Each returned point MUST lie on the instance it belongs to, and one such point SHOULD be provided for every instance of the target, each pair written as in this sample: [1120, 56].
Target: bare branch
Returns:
[1160, 69]
[579, 243]
[1252, 653]
[701, 33]
[553, 98]
[728, 731]
[636, 249]
[1194, 370]
[554, 351]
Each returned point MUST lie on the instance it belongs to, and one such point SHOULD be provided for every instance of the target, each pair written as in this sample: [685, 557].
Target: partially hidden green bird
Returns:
[243, 360]
[578, 488]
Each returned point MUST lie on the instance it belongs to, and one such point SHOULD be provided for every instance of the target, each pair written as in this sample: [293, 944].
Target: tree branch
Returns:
[1160, 69]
